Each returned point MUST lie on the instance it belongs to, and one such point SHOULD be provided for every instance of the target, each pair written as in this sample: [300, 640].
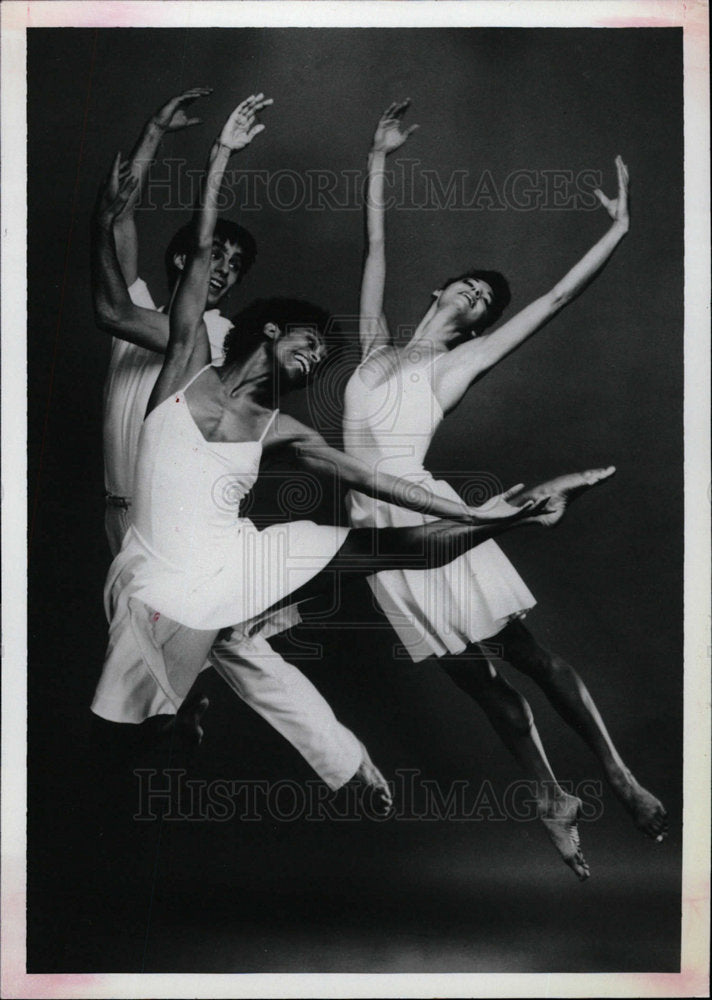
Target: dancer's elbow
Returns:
[110, 318]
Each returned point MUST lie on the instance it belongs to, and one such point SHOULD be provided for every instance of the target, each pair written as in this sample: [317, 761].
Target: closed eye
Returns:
[479, 292]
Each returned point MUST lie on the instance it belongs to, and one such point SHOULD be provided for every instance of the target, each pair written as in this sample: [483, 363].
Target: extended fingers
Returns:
[606, 202]
[127, 186]
[536, 506]
[244, 114]
[512, 491]
[189, 96]
[515, 512]
[255, 102]
[259, 101]
[255, 130]
[622, 168]
[123, 197]
[115, 167]
[262, 104]
[623, 175]
[395, 110]
[119, 170]
[194, 93]
[117, 200]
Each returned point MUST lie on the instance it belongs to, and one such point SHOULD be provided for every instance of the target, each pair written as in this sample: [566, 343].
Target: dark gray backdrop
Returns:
[603, 383]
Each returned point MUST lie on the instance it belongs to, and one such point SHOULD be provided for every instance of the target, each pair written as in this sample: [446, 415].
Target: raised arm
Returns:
[463, 365]
[170, 118]
[113, 309]
[389, 136]
[313, 453]
[188, 349]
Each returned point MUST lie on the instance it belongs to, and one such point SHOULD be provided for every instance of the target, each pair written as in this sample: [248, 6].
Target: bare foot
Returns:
[648, 813]
[559, 819]
[561, 491]
[185, 725]
[381, 800]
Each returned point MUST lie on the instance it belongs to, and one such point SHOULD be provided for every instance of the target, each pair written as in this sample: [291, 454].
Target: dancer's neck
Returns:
[440, 328]
[252, 377]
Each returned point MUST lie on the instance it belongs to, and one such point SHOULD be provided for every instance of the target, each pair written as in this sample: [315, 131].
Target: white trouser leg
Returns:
[290, 703]
[275, 689]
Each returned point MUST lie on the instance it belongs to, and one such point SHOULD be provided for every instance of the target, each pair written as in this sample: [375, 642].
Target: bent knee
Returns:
[520, 648]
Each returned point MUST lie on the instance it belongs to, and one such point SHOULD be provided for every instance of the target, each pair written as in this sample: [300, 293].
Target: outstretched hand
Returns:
[499, 510]
[241, 127]
[617, 208]
[115, 193]
[172, 116]
[390, 134]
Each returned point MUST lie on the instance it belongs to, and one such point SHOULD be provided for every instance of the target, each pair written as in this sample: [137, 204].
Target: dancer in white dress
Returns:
[390, 417]
[127, 691]
[394, 402]
[189, 556]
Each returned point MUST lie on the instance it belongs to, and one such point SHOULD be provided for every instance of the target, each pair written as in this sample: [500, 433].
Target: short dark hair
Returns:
[501, 295]
[249, 323]
[225, 231]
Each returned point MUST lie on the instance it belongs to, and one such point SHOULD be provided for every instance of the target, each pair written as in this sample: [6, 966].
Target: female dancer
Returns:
[189, 557]
[394, 402]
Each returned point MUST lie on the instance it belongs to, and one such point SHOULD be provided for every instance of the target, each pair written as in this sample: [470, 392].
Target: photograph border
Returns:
[692, 17]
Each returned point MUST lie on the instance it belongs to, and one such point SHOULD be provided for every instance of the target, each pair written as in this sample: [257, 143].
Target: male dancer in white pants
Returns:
[127, 690]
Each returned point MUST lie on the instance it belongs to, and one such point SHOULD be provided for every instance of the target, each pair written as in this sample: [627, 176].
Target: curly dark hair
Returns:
[249, 323]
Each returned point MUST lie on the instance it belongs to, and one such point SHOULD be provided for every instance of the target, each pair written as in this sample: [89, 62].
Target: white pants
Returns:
[133, 685]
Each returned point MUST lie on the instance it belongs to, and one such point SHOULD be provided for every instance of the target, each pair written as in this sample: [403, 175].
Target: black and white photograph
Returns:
[356, 499]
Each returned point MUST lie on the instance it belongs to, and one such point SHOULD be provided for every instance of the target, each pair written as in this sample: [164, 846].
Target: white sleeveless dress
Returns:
[438, 612]
[188, 554]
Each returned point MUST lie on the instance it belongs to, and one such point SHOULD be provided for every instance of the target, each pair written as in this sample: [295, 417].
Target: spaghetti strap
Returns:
[188, 384]
[436, 357]
[269, 423]
[381, 347]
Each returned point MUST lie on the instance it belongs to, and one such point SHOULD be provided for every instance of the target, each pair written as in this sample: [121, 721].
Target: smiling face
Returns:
[469, 298]
[225, 270]
[226, 266]
[297, 351]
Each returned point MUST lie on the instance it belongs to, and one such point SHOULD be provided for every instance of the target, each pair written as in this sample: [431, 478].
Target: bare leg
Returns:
[423, 546]
[572, 700]
[368, 551]
[511, 717]
[427, 546]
